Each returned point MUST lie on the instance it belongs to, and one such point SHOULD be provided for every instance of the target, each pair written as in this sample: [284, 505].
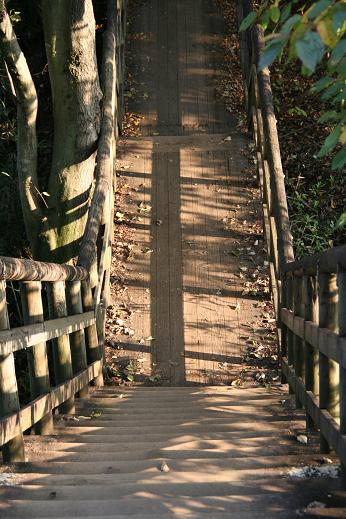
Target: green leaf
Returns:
[332, 115]
[310, 49]
[321, 84]
[330, 142]
[338, 52]
[339, 160]
[318, 8]
[274, 13]
[339, 17]
[130, 377]
[341, 222]
[248, 21]
[271, 51]
[340, 97]
[332, 90]
[290, 23]
[285, 13]
[327, 33]
[265, 19]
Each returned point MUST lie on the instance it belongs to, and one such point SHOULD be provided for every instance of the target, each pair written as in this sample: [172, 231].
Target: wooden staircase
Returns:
[182, 452]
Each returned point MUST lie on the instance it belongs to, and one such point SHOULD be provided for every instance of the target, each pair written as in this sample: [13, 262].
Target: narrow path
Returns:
[181, 452]
[199, 241]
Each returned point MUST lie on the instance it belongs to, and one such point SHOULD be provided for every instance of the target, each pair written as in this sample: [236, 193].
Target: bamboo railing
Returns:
[64, 305]
[309, 295]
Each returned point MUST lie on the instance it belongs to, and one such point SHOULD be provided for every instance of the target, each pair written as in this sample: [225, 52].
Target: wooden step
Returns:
[121, 432]
[100, 454]
[183, 421]
[323, 487]
[136, 468]
[286, 514]
[175, 439]
[106, 473]
[59, 443]
[86, 407]
[157, 506]
[110, 427]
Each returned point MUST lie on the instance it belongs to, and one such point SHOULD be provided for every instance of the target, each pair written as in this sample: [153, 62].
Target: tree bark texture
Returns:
[69, 28]
[26, 125]
[55, 221]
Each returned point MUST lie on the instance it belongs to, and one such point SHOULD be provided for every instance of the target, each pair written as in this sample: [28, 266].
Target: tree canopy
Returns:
[315, 34]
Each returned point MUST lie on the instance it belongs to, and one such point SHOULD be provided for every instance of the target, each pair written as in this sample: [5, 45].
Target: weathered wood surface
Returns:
[27, 336]
[30, 270]
[9, 401]
[37, 355]
[284, 243]
[327, 262]
[188, 292]
[42, 406]
[104, 162]
[217, 452]
[179, 60]
[61, 345]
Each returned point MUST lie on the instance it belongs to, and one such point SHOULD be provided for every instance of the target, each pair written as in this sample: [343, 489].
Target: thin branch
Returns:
[26, 97]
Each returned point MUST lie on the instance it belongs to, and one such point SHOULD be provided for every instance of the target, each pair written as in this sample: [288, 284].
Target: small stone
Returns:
[302, 438]
[164, 467]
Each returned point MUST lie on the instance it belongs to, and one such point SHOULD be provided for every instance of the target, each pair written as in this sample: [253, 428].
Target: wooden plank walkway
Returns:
[181, 452]
[191, 167]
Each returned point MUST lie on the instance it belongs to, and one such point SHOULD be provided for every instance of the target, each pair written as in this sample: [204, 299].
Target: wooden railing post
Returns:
[328, 369]
[93, 348]
[311, 353]
[289, 303]
[77, 339]
[298, 351]
[342, 333]
[9, 402]
[61, 345]
[37, 355]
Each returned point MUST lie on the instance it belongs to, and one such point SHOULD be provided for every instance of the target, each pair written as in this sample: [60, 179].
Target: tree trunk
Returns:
[69, 28]
[26, 98]
[55, 220]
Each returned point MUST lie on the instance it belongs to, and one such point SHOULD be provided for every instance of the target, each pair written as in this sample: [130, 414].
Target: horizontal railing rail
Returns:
[17, 269]
[328, 261]
[62, 307]
[309, 294]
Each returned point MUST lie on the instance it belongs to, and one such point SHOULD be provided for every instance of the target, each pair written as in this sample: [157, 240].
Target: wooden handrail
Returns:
[309, 294]
[328, 261]
[105, 159]
[30, 270]
[75, 297]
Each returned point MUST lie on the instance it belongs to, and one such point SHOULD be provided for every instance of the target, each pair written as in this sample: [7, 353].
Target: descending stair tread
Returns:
[285, 514]
[156, 505]
[227, 452]
[74, 475]
[110, 455]
[182, 466]
[180, 491]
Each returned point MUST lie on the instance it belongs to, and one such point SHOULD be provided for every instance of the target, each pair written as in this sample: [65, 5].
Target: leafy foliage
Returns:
[315, 34]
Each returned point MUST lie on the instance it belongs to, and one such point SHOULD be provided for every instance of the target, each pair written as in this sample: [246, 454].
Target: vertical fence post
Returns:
[13, 450]
[77, 339]
[93, 348]
[311, 353]
[298, 352]
[289, 334]
[342, 333]
[61, 345]
[328, 369]
[37, 355]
